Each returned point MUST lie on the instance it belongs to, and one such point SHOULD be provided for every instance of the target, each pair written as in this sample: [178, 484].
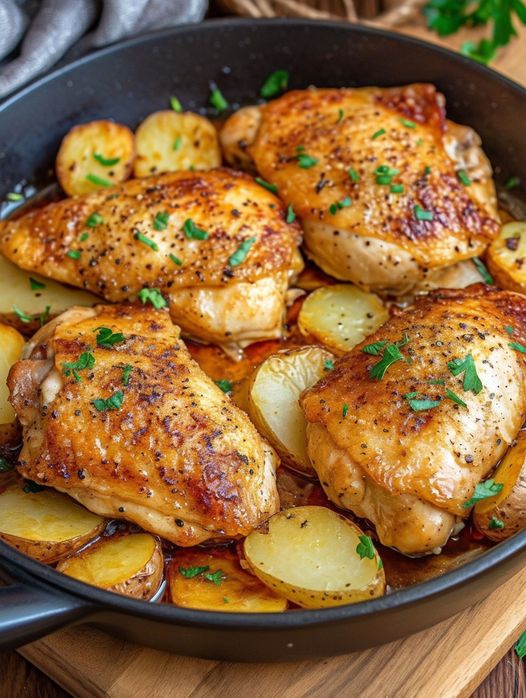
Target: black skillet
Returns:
[127, 82]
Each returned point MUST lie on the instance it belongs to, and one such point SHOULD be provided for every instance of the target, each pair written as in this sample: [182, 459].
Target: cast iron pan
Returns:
[129, 81]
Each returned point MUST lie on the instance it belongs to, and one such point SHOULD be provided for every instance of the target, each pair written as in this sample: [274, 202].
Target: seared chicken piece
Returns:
[215, 243]
[402, 431]
[132, 428]
[384, 186]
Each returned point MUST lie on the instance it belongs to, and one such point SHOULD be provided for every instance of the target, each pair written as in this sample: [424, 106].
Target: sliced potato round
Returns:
[11, 344]
[273, 400]
[44, 524]
[236, 136]
[168, 141]
[31, 299]
[504, 514]
[130, 564]
[341, 316]
[315, 558]
[506, 257]
[94, 156]
[213, 580]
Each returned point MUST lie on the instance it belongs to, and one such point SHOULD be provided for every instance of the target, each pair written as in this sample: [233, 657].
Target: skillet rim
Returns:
[401, 599]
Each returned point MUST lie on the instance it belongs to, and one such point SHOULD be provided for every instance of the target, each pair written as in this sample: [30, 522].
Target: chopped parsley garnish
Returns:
[436, 381]
[495, 524]
[391, 354]
[341, 114]
[84, 237]
[520, 646]
[126, 371]
[482, 270]
[114, 402]
[106, 338]
[85, 361]
[175, 104]
[241, 253]
[192, 232]
[291, 215]
[94, 220]
[226, 599]
[160, 222]
[328, 364]
[467, 367]
[421, 214]
[355, 177]
[14, 196]
[338, 205]
[224, 384]
[35, 284]
[106, 162]
[146, 240]
[5, 465]
[397, 188]
[275, 83]
[99, 181]
[176, 260]
[74, 254]
[427, 170]
[345, 410]
[217, 99]
[215, 577]
[153, 296]
[305, 161]
[420, 404]
[375, 348]
[512, 183]
[453, 396]
[267, 185]
[177, 143]
[365, 548]
[408, 123]
[509, 329]
[191, 572]
[24, 317]
[384, 174]
[482, 491]
[517, 347]
[463, 177]
[377, 134]
[31, 487]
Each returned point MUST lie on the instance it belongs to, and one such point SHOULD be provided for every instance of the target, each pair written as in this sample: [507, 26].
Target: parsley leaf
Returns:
[35, 284]
[483, 271]
[267, 185]
[224, 384]
[153, 296]
[328, 364]
[190, 572]
[176, 104]
[306, 161]
[146, 240]
[215, 577]
[160, 222]
[291, 216]
[453, 396]
[126, 371]
[24, 317]
[520, 646]
[365, 548]
[241, 253]
[375, 348]
[482, 491]
[176, 260]
[105, 162]
[338, 205]
[107, 338]
[275, 83]
[345, 410]
[114, 402]
[85, 361]
[391, 354]
[192, 232]
[217, 99]
[94, 220]
[418, 405]
[495, 524]
[99, 181]
[517, 347]
[467, 367]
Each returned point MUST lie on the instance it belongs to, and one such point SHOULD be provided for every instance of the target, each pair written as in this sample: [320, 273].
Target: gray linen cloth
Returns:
[35, 34]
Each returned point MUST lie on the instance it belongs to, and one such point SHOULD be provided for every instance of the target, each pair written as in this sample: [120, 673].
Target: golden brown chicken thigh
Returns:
[411, 419]
[215, 243]
[385, 188]
[123, 420]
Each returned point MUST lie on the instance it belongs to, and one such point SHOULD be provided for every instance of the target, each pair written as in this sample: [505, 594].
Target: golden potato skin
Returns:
[11, 345]
[509, 506]
[376, 239]
[506, 257]
[76, 161]
[167, 142]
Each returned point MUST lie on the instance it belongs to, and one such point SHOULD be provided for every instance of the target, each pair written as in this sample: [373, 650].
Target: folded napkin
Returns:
[35, 34]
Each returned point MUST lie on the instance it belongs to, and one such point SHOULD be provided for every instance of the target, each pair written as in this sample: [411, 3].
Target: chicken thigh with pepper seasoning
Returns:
[215, 243]
[408, 423]
[118, 415]
[384, 186]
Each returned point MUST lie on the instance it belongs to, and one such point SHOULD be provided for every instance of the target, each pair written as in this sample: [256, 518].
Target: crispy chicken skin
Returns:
[411, 472]
[177, 457]
[373, 236]
[130, 242]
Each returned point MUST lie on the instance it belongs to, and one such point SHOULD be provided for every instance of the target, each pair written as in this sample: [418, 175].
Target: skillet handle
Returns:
[29, 610]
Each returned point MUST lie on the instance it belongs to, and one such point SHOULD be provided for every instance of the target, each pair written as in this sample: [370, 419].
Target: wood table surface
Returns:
[19, 679]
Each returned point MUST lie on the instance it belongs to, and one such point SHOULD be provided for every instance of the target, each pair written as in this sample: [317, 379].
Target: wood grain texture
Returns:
[447, 661]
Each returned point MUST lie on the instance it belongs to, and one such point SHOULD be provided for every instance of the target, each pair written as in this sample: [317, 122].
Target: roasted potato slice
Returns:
[131, 564]
[168, 142]
[24, 298]
[94, 156]
[236, 135]
[315, 558]
[213, 580]
[273, 400]
[506, 257]
[504, 514]
[44, 524]
[341, 316]
[11, 344]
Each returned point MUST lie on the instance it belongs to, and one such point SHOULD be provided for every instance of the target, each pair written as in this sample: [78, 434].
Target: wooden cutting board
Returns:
[447, 661]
